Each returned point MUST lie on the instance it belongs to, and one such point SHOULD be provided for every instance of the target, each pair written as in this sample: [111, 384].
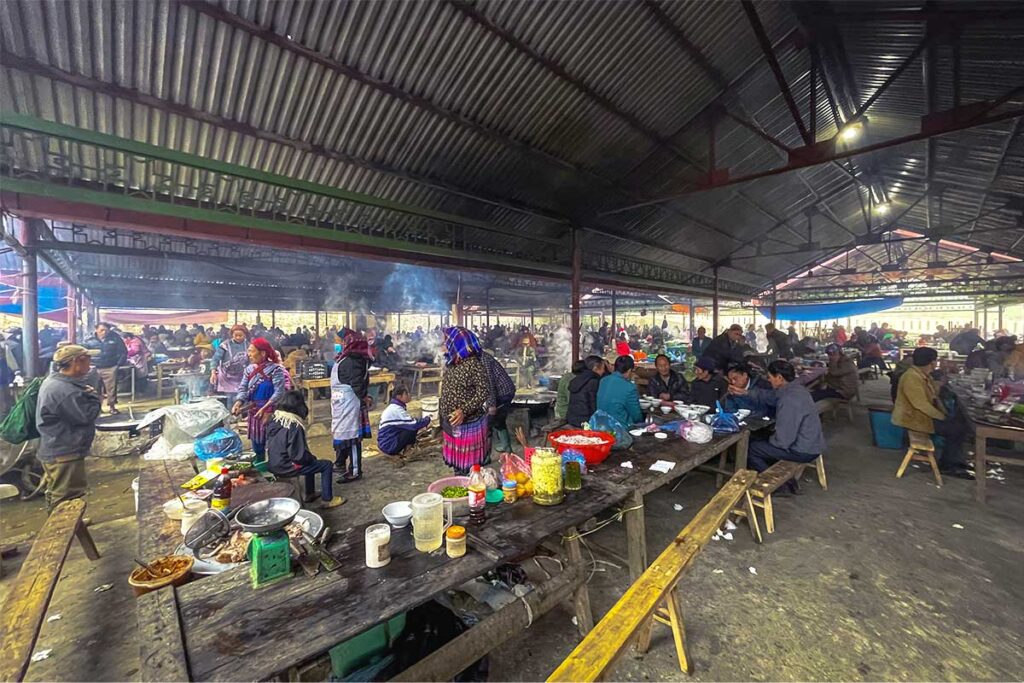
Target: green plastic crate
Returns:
[366, 648]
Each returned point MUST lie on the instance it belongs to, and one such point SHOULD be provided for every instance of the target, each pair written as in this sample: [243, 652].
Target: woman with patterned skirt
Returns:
[466, 396]
[263, 383]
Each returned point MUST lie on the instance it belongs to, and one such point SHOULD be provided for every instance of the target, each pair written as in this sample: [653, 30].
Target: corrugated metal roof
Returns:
[571, 108]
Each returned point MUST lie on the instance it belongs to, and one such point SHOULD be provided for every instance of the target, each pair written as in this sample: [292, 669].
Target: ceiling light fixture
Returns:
[851, 132]
[882, 209]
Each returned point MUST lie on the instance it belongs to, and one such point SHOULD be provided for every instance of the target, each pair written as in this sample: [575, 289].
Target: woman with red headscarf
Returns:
[350, 405]
[263, 383]
[230, 361]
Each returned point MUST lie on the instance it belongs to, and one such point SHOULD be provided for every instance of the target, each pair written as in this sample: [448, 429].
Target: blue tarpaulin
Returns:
[836, 311]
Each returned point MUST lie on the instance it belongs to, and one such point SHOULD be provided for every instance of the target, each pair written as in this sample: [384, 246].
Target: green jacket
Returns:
[562, 402]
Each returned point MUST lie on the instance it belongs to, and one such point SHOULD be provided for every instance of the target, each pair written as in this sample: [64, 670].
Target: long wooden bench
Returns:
[29, 596]
[654, 595]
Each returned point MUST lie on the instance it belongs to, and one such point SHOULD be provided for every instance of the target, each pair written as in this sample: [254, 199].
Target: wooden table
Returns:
[984, 431]
[228, 631]
[311, 385]
[430, 374]
[167, 366]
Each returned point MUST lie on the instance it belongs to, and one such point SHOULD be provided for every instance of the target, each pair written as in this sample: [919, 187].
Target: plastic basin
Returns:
[594, 454]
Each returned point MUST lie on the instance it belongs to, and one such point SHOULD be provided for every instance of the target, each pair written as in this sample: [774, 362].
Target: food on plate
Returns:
[235, 549]
[454, 492]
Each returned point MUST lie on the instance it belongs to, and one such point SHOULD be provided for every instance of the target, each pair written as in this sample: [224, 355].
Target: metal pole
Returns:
[577, 258]
[531, 319]
[999, 317]
[29, 301]
[775, 305]
[693, 330]
[487, 307]
[615, 328]
[273, 317]
[714, 306]
[71, 308]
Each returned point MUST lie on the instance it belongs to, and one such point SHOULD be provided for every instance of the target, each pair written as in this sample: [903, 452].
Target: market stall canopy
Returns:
[834, 311]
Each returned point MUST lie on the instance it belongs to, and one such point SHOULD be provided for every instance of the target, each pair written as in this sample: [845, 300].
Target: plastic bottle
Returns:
[222, 491]
[477, 488]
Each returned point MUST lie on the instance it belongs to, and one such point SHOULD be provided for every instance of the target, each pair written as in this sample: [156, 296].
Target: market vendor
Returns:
[504, 391]
[66, 412]
[398, 429]
[288, 453]
[263, 383]
[465, 395]
[617, 394]
[707, 388]
[229, 361]
[350, 405]
[666, 384]
[798, 436]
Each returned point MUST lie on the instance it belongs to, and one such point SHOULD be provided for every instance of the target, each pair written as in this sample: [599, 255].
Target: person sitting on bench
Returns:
[398, 429]
[797, 435]
[841, 379]
[742, 375]
[288, 453]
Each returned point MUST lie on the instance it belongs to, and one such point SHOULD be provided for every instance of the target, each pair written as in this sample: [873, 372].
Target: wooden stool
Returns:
[921, 450]
[819, 465]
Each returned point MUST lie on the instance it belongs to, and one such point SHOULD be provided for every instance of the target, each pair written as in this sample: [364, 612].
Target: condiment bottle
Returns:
[477, 489]
[508, 489]
[378, 553]
[455, 541]
[222, 491]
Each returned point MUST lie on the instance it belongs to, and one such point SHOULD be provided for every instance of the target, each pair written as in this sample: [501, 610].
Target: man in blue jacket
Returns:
[700, 343]
[617, 394]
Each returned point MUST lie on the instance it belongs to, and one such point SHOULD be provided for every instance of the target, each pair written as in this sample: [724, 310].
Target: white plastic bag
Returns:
[696, 432]
[184, 423]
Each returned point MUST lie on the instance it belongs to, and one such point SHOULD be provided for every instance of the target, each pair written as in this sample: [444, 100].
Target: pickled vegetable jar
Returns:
[546, 467]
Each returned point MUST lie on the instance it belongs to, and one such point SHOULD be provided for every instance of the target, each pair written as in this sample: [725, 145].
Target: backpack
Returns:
[20, 424]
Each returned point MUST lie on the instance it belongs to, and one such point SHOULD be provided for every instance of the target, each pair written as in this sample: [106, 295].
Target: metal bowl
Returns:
[267, 515]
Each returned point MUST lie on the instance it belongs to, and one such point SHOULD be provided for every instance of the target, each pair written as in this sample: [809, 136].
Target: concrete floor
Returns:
[867, 581]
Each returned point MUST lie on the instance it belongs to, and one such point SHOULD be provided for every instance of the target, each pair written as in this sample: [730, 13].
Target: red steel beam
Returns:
[817, 160]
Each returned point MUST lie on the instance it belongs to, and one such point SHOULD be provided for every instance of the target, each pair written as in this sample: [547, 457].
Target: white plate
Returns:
[636, 432]
[660, 435]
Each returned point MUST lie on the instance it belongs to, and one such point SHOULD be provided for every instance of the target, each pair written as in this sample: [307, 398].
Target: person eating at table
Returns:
[742, 376]
[841, 379]
[666, 384]
[617, 394]
[797, 436]
[707, 388]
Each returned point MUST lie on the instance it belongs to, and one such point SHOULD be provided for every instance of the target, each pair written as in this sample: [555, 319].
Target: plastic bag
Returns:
[696, 432]
[219, 443]
[723, 422]
[491, 480]
[511, 465]
[601, 421]
[185, 423]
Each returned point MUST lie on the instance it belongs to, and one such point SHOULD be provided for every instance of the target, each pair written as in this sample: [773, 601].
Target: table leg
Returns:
[741, 451]
[581, 596]
[159, 382]
[980, 465]
[636, 535]
[309, 405]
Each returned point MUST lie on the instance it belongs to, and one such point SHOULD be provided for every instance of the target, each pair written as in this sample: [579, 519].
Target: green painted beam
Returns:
[120, 201]
[36, 125]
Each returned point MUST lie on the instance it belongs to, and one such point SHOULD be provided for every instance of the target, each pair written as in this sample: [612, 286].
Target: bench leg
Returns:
[643, 638]
[88, 545]
[675, 616]
[581, 596]
[820, 466]
[935, 468]
[849, 412]
[755, 528]
[906, 461]
[769, 514]
[721, 466]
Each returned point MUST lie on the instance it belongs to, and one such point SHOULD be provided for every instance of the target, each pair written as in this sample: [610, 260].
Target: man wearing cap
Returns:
[66, 413]
[726, 348]
[841, 379]
[707, 387]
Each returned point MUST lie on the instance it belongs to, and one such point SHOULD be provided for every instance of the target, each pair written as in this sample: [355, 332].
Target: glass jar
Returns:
[508, 490]
[455, 541]
[573, 476]
[546, 468]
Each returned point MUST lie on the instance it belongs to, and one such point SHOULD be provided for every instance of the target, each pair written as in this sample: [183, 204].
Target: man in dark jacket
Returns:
[113, 354]
[966, 341]
[66, 412]
[504, 391]
[707, 388]
[726, 348]
[583, 391]
[842, 378]
[700, 343]
[666, 384]
[778, 341]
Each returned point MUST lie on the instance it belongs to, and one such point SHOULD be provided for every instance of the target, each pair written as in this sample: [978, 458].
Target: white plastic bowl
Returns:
[660, 435]
[636, 432]
[398, 513]
[666, 410]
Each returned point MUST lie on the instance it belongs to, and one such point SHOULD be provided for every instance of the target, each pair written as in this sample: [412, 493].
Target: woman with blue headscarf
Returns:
[466, 396]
